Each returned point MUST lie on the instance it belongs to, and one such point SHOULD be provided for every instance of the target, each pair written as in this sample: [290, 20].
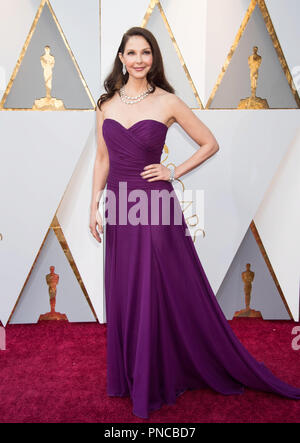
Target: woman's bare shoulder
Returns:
[166, 103]
[169, 98]
[108, 104]
[161, 92]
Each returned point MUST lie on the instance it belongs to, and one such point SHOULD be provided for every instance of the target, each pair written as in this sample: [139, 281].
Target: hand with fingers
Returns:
[157, 171]
[96, 224]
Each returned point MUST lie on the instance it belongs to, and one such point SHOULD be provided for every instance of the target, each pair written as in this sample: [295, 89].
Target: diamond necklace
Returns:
[131, 100]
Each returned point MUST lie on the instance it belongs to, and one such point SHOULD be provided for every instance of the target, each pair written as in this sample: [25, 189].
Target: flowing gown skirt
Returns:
[166, 332]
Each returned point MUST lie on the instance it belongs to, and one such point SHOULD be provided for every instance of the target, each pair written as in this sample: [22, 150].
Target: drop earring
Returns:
[124, 69]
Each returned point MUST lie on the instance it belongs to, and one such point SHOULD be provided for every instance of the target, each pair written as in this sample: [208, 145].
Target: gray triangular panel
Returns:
[29, 83]
[70, 299]
[264, 296]
[272, 82]
[174, 71]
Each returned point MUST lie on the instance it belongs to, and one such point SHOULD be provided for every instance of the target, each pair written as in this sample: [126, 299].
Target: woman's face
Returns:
[137, 56]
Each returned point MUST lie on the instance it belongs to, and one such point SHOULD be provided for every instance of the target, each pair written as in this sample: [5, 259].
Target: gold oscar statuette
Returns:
[52, 281]
[254, 102]
[248, 277]
[48, 103]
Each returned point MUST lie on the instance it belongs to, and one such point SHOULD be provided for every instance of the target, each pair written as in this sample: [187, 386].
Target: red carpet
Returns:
[56, 373]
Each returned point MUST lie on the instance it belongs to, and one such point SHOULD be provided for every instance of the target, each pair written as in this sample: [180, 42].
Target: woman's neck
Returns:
[134, 87]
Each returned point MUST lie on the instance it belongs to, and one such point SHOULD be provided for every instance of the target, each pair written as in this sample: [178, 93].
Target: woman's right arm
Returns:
[100, 173]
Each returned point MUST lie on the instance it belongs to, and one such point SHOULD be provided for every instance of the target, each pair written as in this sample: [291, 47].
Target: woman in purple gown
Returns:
[166, 332]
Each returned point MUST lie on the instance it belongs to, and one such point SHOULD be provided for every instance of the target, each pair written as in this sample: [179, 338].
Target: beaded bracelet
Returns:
[172, 175]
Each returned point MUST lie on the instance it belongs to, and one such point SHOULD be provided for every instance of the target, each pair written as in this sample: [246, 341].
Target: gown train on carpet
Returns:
[166, 332]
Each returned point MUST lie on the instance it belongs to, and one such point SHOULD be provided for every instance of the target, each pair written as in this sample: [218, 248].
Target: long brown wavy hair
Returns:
[155, 76]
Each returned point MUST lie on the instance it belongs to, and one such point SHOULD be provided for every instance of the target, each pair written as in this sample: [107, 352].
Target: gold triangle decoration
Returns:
[191, 220]
[277, 46]
[268, 263]
[152, 5]
[58, 105]
[62, 240]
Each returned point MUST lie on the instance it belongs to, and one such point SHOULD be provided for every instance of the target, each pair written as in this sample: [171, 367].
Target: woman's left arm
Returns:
[197, 130]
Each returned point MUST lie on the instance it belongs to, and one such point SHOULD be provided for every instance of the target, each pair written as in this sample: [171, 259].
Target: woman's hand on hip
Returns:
[157, 171]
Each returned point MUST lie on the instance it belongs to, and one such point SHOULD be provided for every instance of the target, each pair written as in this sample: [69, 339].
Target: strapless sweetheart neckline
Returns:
[138, 122]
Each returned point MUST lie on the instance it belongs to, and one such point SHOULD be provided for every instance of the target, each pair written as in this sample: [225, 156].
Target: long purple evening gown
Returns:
[166, 332]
